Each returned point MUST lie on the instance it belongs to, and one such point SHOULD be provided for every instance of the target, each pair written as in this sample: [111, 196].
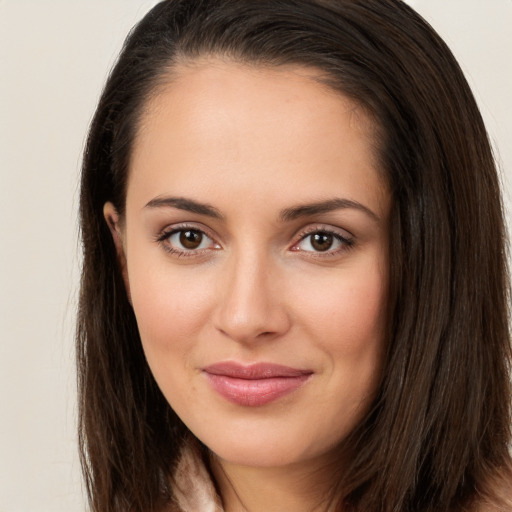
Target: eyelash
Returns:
[347, 243]
[163, 238]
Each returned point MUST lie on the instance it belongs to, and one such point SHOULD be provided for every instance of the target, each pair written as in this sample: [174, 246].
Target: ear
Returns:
[114, 224]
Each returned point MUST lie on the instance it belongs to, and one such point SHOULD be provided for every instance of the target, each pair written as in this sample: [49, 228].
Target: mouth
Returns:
[254, 385]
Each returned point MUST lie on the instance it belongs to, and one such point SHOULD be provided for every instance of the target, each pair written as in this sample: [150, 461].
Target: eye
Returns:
[323, 241]
[189, 239]
[186, 241]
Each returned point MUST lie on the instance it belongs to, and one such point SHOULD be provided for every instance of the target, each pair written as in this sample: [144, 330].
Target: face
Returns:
[255, 249]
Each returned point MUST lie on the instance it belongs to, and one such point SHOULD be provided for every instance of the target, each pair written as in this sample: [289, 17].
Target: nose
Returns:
[250, 306]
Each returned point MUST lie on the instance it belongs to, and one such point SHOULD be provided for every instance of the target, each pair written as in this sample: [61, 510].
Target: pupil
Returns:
[322, 241]
[191, 239]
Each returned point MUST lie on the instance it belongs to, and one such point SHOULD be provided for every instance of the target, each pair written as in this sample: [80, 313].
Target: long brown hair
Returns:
[437, 435]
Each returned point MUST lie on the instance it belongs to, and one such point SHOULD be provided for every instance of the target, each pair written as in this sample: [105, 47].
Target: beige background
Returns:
[54, 57]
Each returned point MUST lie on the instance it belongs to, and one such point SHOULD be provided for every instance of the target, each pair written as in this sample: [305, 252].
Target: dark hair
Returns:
[437, 435]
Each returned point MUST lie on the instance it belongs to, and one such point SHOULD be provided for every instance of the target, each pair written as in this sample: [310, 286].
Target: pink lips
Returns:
[256, 384]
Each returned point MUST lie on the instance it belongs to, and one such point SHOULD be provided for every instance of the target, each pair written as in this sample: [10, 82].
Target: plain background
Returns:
[54, 58]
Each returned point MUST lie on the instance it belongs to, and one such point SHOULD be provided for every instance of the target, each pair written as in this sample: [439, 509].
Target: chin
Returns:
[269, 449]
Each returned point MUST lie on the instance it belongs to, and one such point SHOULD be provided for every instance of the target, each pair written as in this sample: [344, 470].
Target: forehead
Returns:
[215, 87]
[216, 121]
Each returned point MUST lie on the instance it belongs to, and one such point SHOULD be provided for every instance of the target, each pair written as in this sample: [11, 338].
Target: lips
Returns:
[256, 384]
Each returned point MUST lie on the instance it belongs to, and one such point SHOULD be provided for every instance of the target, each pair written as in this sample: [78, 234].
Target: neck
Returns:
[295, 487]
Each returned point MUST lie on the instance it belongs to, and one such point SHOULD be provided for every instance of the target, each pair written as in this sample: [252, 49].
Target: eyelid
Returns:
[344, 236]
[327, 228]
[163, 235]
[182, 226]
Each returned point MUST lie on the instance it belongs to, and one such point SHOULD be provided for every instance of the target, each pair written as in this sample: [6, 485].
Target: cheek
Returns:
[347, 318]
[347, 309]
[171, 307]
[362, 316]
[171, 312]
[347, 322]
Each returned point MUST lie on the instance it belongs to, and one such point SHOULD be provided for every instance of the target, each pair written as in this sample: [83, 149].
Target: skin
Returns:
[255, 144]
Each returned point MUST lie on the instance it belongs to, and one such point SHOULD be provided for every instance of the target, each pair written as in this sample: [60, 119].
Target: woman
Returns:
[294, 289]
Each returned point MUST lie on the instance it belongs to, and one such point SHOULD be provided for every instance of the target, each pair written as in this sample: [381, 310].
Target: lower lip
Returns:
[254, 392]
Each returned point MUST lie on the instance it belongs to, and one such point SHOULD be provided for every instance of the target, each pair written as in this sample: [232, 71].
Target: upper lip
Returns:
[254, 371]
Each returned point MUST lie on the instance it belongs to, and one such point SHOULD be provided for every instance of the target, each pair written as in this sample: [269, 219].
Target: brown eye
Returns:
[187, 242]
[322, 241]
[190, 239]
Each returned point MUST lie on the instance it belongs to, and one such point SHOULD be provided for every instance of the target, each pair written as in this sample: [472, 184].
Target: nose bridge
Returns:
[250, 304]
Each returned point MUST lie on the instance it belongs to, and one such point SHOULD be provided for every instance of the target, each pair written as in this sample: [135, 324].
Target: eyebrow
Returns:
[286, 215]
[188, 205]
[330, 205]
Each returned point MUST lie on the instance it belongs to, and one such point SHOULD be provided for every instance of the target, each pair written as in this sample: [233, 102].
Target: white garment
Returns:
[193, 487]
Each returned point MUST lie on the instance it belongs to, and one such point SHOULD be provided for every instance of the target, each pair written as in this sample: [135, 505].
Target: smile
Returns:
[254, 385]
